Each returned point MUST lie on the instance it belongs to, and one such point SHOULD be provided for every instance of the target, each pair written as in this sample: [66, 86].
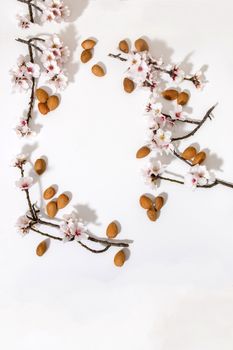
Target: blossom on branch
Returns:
[73, 228]
[23, 225]
[24, 183]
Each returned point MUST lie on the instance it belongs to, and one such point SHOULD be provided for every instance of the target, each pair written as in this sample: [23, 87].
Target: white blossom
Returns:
[73, 228]
[178, 113]
[23, 21]
[23, 225]
[177, 74]
[59, 81]
[153, 169]
[22, 129]
[24, 183]
[19, 160]
[54, 10]
[198, 176]
[161, 141]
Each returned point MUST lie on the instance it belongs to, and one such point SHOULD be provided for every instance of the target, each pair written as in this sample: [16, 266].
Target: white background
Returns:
[175, 291]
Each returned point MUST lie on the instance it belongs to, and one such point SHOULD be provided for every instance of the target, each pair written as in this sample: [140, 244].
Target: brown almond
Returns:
[112, 230]
[86, 56]
[41, 248]
[42, 95]
[189, 153]
[199, 158]
[159, 202]
[128, 85]
[51, 209]
[123, 46]
[183, 98]
[143, 152]
[62, 201]
[170, 94]
[40, 166]
[98, 70]
[152, 215]
[49, 193]
[43, 108]
[146, 202]
[119, 258]
[88, 44]
[53, 102]
[141, 45]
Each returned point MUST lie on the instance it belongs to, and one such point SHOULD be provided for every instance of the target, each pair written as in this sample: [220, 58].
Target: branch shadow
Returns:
[87, 214]
[76, 8]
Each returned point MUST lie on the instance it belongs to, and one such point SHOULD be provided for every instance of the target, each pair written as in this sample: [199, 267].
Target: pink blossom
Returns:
[24, 183]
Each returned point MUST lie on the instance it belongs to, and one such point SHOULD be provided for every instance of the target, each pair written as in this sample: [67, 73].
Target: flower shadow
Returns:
[76, 8]
[87, 214]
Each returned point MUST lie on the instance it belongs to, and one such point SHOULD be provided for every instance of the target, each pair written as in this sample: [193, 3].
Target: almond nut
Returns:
[159, 202]
[143, 152]
[40, 166]
[88, 44]
[51, 209]
[152, 215]
[112, 230]
[98, 70]
[62, 201]
[49, 193]
[189, 153]
[86, 56]
[199, 158]
[41, 248]
[42, 95]
[183, 98]
[170, 94]
[43, 108]
[141, 45]
[119, 258]
[123, 46]
[146, 202]
[53, 102]
[128, 85]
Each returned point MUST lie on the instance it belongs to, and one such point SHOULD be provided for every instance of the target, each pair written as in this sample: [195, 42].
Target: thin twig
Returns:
[46, 234]
[30, 5]
[193, 132]
[118, 56]
[28, 42]
[94, 250]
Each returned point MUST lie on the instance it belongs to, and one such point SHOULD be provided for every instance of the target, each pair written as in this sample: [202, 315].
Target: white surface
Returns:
[175, 292]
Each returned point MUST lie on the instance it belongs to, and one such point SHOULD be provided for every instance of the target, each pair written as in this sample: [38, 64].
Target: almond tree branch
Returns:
[30, 5]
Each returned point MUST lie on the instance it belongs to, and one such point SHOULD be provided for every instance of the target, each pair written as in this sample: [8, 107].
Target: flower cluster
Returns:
[47, 11]
[152, 171]
[53, 58]
[22, 129]
[72, 228]
[19, 161]
[23, 73]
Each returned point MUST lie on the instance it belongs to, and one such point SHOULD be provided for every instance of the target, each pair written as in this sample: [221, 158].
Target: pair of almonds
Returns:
[40, 166]
[190, 153]
[46, 103]
[172, 94]
[143, 152]
[112, 230]
[53, 206]
[140, 45]
[87, 55]
[151, 205]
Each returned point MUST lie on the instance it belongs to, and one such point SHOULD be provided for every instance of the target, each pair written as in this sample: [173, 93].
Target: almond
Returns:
[199, 158]
[62, 201]
[123, 46]
[170, 94]
[53, 102]
[119, 258]
[189, 153]
[86, 56]
[146, 202]
[152, 215]
[141, 45]
[98, 70]
[143, 152]
[183, 98]
[88, 44]
[43, 108]
[41, 248]
[159, 202]
[42, 95]
[49, 193]
[40, 166]
[128, 85]
[112, 230]
[51, 209]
